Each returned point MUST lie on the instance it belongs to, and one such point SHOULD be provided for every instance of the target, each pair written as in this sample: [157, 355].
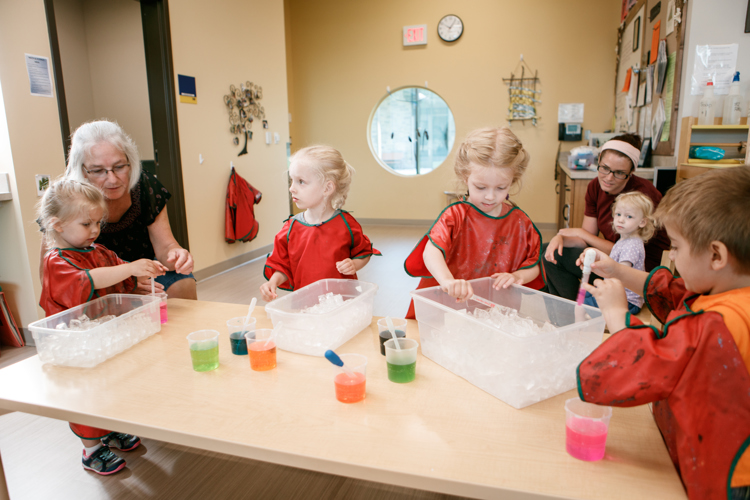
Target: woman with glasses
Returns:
[137, 225]
[618, 159]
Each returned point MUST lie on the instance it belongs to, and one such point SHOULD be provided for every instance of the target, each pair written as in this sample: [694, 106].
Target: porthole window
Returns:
[411, 131]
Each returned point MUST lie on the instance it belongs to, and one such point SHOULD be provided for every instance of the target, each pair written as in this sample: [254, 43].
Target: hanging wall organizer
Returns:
[244, 107]
[523, 94]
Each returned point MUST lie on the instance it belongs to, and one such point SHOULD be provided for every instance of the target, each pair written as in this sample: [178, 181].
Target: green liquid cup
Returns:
[204, 350]
[401, 364]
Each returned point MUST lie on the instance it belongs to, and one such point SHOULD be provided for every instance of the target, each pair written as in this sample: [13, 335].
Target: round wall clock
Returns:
[450, 28]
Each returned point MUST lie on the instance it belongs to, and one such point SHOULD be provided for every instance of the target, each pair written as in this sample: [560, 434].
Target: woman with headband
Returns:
[617, 161]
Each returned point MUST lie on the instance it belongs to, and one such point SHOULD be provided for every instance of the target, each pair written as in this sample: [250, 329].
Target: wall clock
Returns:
[450, 28]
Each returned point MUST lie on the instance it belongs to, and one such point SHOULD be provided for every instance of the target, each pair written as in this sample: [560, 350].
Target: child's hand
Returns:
[504, 280]
[147, 267]
[268, 291]
[346, 266]
[603, 265]
[555, 245]
[460, 289]
[610, 295]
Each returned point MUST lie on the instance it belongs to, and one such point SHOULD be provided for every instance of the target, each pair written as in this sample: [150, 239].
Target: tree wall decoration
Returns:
[244, 107]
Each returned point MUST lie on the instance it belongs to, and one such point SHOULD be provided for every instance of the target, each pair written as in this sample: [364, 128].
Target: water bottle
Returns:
[733, 103]
[706, 113]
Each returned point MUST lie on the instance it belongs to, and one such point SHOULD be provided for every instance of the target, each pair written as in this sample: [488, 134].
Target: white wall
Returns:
[712, 22]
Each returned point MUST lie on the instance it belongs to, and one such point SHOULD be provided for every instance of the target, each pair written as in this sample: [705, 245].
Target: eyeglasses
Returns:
[100, 173]
[618, 174]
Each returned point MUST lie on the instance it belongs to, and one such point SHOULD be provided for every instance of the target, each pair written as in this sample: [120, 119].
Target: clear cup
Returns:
[586, 427]
[237, 329]
[351, 389]
[399, 325]
[262, 352]
[162, 306]
[401, 364]
[204, 350]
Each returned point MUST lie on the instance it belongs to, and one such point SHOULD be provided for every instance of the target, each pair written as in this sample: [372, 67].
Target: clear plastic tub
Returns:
[136, 318]
[517, 370]
[315, 333]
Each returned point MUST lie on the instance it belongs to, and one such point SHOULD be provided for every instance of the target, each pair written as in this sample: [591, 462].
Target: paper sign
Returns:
[713, 63]
[670, 17]
[570, 113]
[655, 42]
[40, 82]
[188, 93]
[669, 96]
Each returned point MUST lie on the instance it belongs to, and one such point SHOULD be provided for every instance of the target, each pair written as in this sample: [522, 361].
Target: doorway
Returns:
[113, 59]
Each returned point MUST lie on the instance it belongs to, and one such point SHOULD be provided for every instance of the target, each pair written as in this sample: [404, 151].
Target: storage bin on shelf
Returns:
[315, 333]
[519, 371]
[136, 318]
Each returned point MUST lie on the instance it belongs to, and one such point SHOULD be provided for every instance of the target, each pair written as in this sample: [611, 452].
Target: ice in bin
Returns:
[515, 364]
[86, 335]
[312, 332]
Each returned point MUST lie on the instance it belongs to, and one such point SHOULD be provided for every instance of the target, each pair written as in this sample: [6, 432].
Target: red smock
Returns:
[477, 245]
[239, 218]
[67, 283]
[694, 375]
[306, 253]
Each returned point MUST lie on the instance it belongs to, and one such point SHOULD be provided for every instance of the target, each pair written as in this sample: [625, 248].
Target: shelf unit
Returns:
[732, 138]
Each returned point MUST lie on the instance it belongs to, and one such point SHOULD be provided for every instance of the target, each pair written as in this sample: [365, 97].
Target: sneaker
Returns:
[122, 442]
[103, 462]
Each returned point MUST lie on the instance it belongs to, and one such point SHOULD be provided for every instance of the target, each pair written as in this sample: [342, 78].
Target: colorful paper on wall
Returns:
[186, 86]
[655, 42]
[626, 87]
[669, 85]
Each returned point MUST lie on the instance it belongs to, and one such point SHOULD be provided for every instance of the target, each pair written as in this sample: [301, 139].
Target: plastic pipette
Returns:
[393, 332]
[482, 301]
[336, 360]
[273, 334]
[588, 259]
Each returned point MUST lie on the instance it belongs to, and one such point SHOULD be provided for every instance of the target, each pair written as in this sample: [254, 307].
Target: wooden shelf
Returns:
[720, 127]
[712, 165]
[702, 134]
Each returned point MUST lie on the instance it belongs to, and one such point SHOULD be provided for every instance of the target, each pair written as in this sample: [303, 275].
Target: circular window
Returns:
[411, 131]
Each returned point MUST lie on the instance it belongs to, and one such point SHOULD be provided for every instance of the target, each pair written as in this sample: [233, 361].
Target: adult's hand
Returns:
[144, 287]
[182, 260]
[554, 245]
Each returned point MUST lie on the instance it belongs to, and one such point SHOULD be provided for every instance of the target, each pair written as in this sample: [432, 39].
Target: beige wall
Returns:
[35, 147]
[344, 54]
[221, 43]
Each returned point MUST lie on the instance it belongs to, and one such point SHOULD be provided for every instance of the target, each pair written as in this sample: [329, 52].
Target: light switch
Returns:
[268, 137]
[276, 138]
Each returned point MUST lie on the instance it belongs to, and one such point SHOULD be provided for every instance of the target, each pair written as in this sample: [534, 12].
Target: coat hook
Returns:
[388, 89]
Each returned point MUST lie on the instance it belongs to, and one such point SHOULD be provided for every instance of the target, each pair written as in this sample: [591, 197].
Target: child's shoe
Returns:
[103, 462]
[122, 442]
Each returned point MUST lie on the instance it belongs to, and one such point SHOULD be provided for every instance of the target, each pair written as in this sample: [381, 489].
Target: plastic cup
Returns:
[162, 306]
[402, 364]
[237, 330]
[586, 428]
[351, 389]
[204, 350]
[399, 325]
[262, 353]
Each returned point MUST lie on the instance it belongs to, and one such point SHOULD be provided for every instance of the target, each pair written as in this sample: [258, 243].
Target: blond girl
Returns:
[484, 234]
[323, 241]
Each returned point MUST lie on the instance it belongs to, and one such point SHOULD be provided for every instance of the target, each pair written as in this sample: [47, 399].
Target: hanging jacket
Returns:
[240, 214]
[692, 372]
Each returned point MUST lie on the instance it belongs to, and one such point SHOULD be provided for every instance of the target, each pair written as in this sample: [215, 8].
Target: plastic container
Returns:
[586, 427]
[137, 318]
[315, 333]
[707, 106]
[351, 388]
[733, 103]
[519, 371]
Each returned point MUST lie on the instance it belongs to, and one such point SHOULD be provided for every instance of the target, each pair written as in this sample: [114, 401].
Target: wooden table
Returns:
[438, 433]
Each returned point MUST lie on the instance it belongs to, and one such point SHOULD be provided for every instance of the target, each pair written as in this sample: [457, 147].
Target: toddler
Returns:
[324, 241]
[632, 220]
[77, 270]
[485, 234]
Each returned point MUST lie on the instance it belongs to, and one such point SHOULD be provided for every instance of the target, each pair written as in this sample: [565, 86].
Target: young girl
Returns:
[76, 270]
[632, 220]
[323, 241]
[485, 235]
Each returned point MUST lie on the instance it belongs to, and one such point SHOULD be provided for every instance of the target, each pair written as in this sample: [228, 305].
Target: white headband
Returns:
[623, 147]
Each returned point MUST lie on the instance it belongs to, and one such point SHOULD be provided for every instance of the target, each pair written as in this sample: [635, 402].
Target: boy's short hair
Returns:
[714, 206]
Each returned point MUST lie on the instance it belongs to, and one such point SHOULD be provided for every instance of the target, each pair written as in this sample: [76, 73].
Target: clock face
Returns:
[450, 28]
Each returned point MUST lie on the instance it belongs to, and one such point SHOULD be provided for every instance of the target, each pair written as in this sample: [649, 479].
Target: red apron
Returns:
[477, 245]
[694, 375]
[239, 217]
[306, 253]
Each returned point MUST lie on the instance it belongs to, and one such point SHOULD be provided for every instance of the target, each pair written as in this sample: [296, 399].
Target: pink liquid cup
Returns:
[586, 427]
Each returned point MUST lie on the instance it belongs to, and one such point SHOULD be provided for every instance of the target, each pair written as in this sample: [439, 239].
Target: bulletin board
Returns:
[645, 25]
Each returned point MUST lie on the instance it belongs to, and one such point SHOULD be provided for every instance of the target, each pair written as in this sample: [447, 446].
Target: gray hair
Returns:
[89, 135]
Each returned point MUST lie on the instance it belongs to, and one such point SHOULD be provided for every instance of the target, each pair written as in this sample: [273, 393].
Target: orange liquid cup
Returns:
[262, 352]
[350, 389]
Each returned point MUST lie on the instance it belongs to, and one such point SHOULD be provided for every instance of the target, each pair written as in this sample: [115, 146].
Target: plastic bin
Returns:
[137, 317]
[519, 371]
[314, 334]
